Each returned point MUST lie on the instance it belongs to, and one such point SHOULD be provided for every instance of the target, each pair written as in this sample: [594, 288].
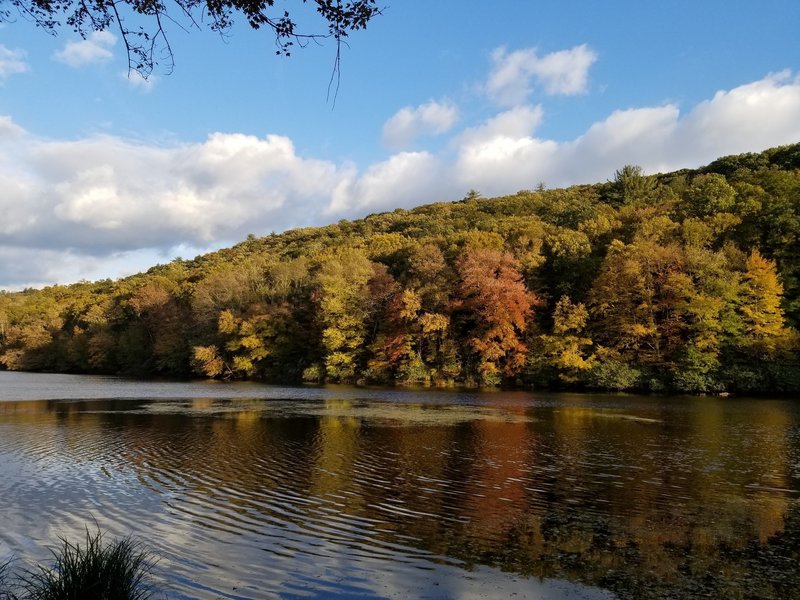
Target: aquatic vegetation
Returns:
[94, 570]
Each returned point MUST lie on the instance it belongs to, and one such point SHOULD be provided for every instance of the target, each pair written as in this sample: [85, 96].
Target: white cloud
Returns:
[498, 151]
[9, 129]
[748, 118]
[12, 62]
[409, 123]
[26, 267]
[88, 208]
[756, 115]
[404, 180]
[95, 49]
[513, 74]
[518, 122]
[565, 72]
[105, 197]
[138, 82]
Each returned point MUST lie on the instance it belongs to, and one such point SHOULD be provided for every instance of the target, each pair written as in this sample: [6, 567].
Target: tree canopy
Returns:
[683, 282]
[144, 24]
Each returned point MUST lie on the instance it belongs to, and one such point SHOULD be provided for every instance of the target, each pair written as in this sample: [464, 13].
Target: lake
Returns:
[256, 491]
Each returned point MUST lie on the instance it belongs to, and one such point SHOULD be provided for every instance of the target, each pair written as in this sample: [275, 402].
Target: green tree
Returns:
[343, 300]
[632, 186]
[709, 194]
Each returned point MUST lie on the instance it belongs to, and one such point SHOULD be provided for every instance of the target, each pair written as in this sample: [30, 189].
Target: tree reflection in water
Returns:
[648, 498]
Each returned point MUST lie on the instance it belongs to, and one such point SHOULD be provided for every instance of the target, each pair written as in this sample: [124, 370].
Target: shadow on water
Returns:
[341, 493]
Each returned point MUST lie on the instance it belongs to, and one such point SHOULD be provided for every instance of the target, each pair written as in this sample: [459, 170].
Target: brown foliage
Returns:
[493, 292]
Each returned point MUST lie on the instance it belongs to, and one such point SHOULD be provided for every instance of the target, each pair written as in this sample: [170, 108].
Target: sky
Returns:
[104, 174]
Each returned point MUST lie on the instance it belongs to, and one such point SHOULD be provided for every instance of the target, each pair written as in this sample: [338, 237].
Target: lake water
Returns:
[254, 491]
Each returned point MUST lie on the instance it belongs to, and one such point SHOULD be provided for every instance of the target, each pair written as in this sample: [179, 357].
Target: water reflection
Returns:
[247, 498]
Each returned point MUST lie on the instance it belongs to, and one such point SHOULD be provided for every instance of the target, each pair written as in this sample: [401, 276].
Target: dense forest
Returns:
[683, 282]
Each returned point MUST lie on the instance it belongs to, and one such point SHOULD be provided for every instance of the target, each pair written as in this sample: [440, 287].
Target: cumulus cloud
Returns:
[518, 122]
[406, 179]
[747, 118]
[750, 117]
[9, 129]
[95, 49]
[93, 207]
[12, 62]
[105, 194]
[24, 267]
[514, 74]
[409, 123]
[755, 115]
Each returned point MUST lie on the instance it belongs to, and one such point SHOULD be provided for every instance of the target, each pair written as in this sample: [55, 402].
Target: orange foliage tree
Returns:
[499, 306]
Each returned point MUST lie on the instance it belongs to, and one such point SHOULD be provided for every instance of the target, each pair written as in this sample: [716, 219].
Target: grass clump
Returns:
[96, 570]
[5, 591]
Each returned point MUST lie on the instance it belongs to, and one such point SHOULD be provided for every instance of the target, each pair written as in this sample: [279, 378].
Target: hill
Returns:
[686, 281]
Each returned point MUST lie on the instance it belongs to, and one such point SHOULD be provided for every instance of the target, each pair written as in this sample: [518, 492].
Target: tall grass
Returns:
[94, 570]
[5, 591]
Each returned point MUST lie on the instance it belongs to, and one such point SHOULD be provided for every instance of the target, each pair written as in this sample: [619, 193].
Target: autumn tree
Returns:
[566, 349]
[395, 351]
[343, 303]
[30, 330]
[498, 307]
[525, 238]
[693, 288]
[295, 331]
[262, 324]
[433, 282]
[761, 305]
[635, 300]
[429, 276]
[763, 353]
[778, 237]
[226, 289]
[243, 349]
[156, 333]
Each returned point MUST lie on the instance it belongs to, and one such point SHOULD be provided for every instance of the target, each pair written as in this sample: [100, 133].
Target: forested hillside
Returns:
[687, 281]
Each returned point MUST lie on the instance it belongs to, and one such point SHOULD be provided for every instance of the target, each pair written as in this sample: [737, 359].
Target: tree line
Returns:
[678, 282]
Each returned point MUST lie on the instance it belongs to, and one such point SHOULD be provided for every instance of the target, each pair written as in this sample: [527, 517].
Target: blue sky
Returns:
[105, 174]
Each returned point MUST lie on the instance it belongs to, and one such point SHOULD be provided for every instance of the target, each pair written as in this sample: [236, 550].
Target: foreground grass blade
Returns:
[117, 570]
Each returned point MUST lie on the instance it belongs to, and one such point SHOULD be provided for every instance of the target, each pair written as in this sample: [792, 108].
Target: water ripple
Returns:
[349, 497]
